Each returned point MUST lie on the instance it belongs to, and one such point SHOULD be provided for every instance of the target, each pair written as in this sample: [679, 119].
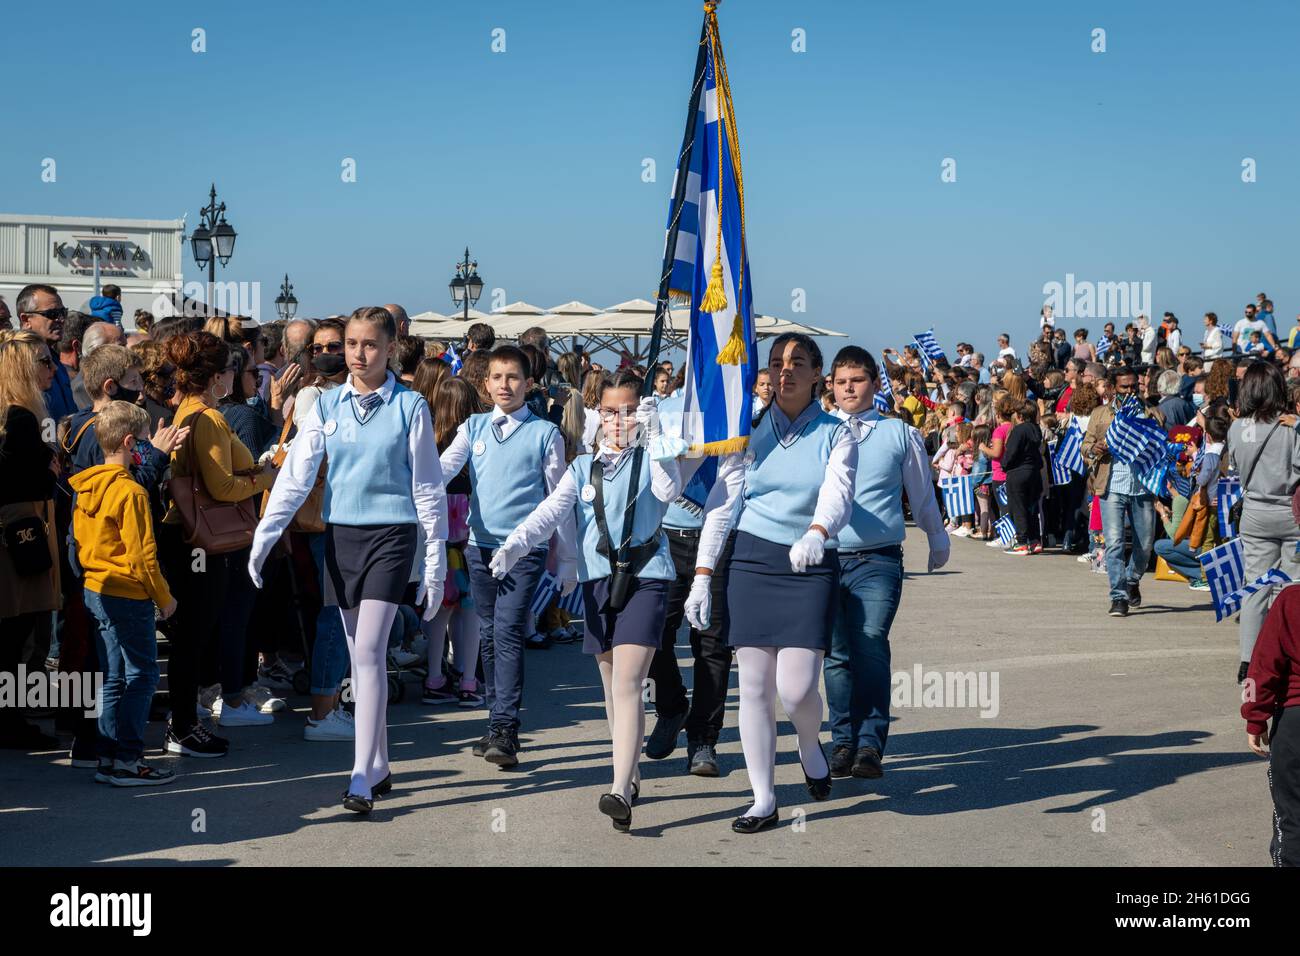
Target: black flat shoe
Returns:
[618, 810]
[819, 788]
[357, 804]
[749, 824]
[636, 792]
[383, 786]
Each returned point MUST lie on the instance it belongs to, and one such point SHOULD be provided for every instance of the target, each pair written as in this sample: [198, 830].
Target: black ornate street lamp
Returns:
[213, 238]
[466, 287]
[286, 303]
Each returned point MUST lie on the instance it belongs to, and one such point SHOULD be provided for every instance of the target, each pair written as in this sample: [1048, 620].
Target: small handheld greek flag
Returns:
[452, 359]
[958, 495]
[1002, 494]
[1232, 602]
[928, 346]
[884, 399]
[1103, 346]
[1229, 494]
[548, 590]
[1225, 573]
[1067, 458]
[1136, 442]
[1006, 529]
[1225, 338]
[1153, 479]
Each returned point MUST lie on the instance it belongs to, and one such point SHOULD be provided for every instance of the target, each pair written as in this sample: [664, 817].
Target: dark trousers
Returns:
[1284, 786]
[233, 624]
[1023, 491]
[199, 585]
[709, 648]
[14, 634]
[502, 608]
[1074, 513]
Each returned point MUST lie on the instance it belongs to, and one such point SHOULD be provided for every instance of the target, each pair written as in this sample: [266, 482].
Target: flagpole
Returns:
[620, 577]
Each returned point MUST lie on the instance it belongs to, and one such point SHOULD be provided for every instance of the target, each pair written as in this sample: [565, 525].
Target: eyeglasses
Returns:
[607, 413]
[54, 315]
[316, 348]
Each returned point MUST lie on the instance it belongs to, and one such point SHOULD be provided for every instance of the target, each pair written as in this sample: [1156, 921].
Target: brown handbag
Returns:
[309, 518]
[218, 527]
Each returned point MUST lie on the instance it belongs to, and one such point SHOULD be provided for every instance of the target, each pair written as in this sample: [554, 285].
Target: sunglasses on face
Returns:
[316, 349]
[54, 315]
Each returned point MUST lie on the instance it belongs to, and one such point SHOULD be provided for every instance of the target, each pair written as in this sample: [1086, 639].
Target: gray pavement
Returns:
[1115, 742]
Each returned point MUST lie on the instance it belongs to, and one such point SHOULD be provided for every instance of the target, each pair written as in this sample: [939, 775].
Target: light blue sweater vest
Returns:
[782, 481]
[369, 476]
[507, 476]
[877, 517]
[592, 566]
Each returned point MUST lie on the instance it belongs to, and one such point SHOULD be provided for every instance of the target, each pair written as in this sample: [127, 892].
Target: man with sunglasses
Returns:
[40, 310]
[1123, 498]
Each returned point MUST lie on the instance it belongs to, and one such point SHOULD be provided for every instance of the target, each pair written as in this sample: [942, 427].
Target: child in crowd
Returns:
[123, 583]
[964, 449]
[982, 477]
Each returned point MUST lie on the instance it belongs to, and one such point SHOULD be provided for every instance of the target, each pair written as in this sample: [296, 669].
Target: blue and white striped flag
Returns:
[452, 359]
[1225, 573]
[1153, 479]
[547, 588]
[1006, 529]
[1231, 603]
[710, 262]
[1225, 338]
[1067, 458]
[928, 346]
[1136, 442]
[1229, 492]
[958, 495]
[1103, 346]
[1002, 494]
[884, 399]
[571, 603]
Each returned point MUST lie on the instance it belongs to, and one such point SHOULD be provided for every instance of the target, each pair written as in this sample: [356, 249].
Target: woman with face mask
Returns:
[229, 472]
[327, 367]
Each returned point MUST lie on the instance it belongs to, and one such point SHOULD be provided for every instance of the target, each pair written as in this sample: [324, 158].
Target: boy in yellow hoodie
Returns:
[123, 583]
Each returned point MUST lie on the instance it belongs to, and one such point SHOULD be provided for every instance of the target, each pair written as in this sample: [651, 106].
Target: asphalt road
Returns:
[1114, 742]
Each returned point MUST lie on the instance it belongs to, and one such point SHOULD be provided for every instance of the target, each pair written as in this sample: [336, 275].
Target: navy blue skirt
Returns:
[769, 605]
[640, 622]
[367, 562]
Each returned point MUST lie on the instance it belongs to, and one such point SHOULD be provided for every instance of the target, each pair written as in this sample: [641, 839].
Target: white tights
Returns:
[623, 672]
[367, 628]
[791, 673]
[464, 626]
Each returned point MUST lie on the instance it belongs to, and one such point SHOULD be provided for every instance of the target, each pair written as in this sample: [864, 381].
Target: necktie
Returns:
[370, 402]
[499, 425]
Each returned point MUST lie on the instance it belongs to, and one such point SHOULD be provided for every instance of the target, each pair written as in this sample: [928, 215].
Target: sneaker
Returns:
[403, 658]
[1019, 550]
[1085, 558]
[197, 742]
[481, 745]
[139, 774]
[261, 698]
[1134, 596]
[701, 760]
[1036, 548]
[275, 676]
[502, 748]
[962, 532]
[440, 695]
[1118, 608]
[104, 771]
[1201, 585]
[469, 699]
[82, 755]
[663, 739]
[994, 542]
[245, 715]
[209, 698]
[333, 726]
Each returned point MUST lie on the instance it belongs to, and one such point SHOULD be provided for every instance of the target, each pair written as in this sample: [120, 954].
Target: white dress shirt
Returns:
[306, 453]
[556, 512]
[834, 500]
[554, 467]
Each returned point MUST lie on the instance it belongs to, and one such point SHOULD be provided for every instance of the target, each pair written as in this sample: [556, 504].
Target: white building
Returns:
[142, 256]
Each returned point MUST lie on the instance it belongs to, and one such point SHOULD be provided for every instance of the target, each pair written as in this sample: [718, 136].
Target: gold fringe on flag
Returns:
[728, 446]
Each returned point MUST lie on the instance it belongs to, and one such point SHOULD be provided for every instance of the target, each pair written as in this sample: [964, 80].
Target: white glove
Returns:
[937, 559]
[507, 556]
[807, 551]
[698, 607]
[567, 572]
[253, 572]
[433, 584]
[647, 416]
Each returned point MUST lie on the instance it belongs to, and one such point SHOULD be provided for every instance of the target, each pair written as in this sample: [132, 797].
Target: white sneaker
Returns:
[1085, 558]
[994, 542]
[245, 715]
[331, 727]
[962, 532]
[404, 658]
[263, 699]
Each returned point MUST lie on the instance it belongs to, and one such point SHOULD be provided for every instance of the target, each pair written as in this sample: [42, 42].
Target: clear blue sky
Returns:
[1118, 166]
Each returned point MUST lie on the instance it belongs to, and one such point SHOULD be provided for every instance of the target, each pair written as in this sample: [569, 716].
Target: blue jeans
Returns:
[857, 668]
[128, 656]
[1140, 511]
[1180, 558]
[329, 655]
[503, 616]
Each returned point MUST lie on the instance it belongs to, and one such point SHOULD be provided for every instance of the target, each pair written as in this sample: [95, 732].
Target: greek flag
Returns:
[884, 400]
[452, 359]
[547, 588]
[1225, 573]
[1229, 493]
[1136, 442]
[1153, 479]
[958, 495]
[1006, 529]
[1225, 338]
[708, 262]
[1002, 494]
[1103, 346]
[928, 346]
[1067, 459]
[1232, 602]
